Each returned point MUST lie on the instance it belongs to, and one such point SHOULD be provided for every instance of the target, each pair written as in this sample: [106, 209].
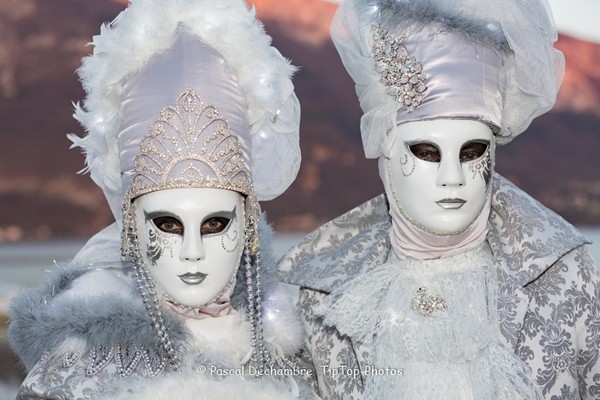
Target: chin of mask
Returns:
[191, 241]
[439, 172]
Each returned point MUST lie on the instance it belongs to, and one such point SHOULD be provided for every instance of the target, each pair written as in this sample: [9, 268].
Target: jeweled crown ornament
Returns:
[190, 145]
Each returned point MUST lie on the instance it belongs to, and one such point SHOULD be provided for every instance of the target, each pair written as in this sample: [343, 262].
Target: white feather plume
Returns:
[283, 329]
[147, 27]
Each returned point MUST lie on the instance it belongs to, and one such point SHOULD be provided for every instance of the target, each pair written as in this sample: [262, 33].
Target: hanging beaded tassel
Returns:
[261, 357]
[266, 356]
[250, 297]
[145, 285]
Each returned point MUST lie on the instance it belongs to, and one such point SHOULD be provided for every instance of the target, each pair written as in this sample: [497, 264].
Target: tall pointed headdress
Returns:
[189, 94]
[131, 76]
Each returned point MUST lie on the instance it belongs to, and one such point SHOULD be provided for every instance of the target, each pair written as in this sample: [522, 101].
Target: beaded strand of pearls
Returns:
[266, 356]
[147, 290]
[261, 358]
[250, 294]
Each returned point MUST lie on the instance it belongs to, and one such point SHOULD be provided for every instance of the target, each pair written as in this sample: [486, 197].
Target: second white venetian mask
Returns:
[439, 172]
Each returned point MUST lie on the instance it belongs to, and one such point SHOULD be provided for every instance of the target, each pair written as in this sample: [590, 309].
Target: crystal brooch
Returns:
[425, 304]
[400, 73]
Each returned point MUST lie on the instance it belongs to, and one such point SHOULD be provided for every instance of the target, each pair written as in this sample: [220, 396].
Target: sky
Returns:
[577, 18]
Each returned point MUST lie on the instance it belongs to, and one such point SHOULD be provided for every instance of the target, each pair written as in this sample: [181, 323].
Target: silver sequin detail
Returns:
[190, 145]
[99, 358]
[69, 359]
[127, 360]
[401, 74]
[425, 304]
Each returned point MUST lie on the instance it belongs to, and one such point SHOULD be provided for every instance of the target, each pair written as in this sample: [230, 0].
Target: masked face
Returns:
[439, 172]
[191, 241]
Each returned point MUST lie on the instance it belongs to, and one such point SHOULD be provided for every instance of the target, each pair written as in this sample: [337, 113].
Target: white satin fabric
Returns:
[466, 76]
[188, 63]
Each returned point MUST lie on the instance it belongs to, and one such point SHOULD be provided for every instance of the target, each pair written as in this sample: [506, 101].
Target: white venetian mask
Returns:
[191, 241]
[439, 172]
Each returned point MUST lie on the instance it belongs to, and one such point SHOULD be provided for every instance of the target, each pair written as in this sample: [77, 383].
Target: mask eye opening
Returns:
[168, 224]
[473, 150]
[425, 151]
[215, 225]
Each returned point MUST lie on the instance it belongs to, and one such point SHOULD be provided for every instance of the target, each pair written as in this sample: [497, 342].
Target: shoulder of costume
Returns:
[525, 236]
[341, 249]
[81, 309]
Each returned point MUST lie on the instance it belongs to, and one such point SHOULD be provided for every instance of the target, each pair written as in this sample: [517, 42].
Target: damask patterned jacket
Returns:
[548, 294]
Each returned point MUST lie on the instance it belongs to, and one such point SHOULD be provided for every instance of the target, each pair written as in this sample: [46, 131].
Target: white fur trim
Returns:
[224, 340]
[194, 385]
[282, 326]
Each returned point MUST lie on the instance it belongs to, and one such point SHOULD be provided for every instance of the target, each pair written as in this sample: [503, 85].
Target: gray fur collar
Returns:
[100, 307]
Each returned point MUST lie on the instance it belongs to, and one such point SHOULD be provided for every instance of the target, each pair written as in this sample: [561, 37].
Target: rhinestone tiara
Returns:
[189, 146]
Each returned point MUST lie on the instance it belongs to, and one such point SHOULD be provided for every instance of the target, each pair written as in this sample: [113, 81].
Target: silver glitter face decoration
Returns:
[400, 73]
[153, 250]
[229, 239]
[482, 167]
[158, 243]
[404, 161]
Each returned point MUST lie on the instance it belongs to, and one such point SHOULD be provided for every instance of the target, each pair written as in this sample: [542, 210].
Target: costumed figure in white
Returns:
[454, 284]
[191, 119]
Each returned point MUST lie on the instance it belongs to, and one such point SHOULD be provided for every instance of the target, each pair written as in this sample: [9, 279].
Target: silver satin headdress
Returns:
[184, 94]
[413, 60]
[147, 28]
[184, 125]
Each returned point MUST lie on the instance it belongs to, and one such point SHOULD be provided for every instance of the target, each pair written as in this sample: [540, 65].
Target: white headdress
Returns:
[148, 27]
[412, 60]
[189, 93]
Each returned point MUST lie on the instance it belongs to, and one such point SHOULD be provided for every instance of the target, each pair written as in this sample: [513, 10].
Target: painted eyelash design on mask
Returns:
[483, 165]
[404, 162]
[157, 243]
[229, 215]
[234, 240]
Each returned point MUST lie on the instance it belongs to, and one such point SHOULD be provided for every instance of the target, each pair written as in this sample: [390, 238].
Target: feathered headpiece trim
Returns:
[148, 27]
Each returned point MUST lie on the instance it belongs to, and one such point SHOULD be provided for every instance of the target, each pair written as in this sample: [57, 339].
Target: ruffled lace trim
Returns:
[452, 352]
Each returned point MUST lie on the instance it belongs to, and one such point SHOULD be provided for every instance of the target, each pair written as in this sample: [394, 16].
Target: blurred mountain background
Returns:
[42, 197]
